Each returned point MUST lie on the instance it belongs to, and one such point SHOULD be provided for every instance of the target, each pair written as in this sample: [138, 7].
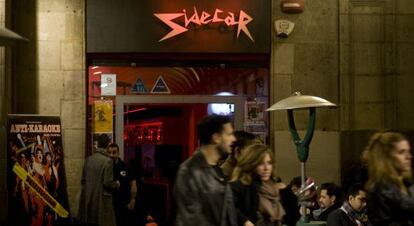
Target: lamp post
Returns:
[301, 102]
[8, 37]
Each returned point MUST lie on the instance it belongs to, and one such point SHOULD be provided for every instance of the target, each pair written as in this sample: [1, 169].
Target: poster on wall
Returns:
[254, 113]
[102, 116]
[108, 85]
[35, 171]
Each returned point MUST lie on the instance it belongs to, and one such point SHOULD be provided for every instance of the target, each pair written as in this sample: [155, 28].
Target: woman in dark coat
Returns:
[260, 200]
[390, 199]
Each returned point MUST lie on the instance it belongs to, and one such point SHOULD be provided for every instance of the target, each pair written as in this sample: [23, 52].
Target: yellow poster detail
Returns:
[102, 115]
[39, 190]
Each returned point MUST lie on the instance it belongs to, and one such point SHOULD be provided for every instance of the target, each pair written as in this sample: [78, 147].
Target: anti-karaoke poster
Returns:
[35, 171]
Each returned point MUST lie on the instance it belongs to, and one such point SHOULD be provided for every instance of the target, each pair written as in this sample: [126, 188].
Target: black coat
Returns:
[387, 205]
[203, 196]
[340, 218]
[324, 215]
[246, 200]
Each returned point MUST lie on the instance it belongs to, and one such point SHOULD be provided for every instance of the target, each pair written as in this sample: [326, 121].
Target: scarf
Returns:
[269, 203]
[359, 219]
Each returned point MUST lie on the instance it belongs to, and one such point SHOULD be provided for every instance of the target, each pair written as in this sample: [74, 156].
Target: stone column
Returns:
[4, 102]
[50, 77]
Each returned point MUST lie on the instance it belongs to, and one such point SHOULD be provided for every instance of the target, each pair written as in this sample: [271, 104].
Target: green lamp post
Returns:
[301, 102]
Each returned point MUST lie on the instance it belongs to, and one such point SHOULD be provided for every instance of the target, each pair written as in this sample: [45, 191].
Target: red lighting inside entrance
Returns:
[144, 133]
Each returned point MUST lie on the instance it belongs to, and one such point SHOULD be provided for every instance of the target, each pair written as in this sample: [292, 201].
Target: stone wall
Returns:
[4, 100]
[357, 53]
[376, 55]
[49, 74]
[307, 61]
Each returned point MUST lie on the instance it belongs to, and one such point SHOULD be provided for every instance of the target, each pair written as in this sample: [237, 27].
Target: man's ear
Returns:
[333, 198]
[216, 138]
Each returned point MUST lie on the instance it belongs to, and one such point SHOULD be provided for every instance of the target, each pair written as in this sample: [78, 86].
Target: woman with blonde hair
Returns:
[390, 201]
[258, 197]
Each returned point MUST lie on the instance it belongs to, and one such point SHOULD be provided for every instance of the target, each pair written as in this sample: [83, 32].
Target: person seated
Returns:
[330, 199]
[352, 211]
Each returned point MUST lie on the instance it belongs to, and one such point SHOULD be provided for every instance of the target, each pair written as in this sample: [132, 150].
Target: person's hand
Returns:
[248, 223]
[118, 184]
[131, 204]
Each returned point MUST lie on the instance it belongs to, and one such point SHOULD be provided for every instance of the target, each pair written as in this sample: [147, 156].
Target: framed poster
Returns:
[108, 85]
[102, 116]
[36, 173]
[254, 113]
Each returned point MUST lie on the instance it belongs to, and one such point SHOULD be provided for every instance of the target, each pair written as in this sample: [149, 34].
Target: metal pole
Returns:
[302, 174]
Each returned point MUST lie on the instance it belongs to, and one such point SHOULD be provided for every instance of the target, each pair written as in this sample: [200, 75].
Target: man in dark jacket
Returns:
[351, 212]
[202, 194]
[330, 199]
[124, 197]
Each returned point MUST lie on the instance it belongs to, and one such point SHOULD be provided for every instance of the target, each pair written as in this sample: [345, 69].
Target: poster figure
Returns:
[254, 113]
[102, 118]
[35, 172]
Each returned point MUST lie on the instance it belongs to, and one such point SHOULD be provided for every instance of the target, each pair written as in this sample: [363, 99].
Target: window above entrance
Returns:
[181, 80]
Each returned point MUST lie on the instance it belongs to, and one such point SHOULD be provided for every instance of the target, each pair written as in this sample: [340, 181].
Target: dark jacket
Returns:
[387, 205]
[95, 204]
[324, 215]
[202, 195]
[340, 218]
[246, 200]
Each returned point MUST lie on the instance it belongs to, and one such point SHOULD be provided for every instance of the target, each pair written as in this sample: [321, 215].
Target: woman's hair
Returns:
[251, 157]
[381, 163]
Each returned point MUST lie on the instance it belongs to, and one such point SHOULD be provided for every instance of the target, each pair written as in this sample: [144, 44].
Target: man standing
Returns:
[330, 199]
[202, 194]
[124, 197]
[95, 205]
[351, 212]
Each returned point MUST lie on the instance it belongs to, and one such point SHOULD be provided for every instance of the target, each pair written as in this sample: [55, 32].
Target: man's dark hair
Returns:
[103, 141]
[354, 190]
[210, 125]
[113, 145]
[333, 190]
[243, 139]
[296, 181]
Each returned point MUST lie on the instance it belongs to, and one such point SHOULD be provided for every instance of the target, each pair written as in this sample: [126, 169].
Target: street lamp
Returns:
[8, 37]
[297, 101]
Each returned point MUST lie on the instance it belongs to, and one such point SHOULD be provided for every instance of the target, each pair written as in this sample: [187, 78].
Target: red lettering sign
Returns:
[205, 18]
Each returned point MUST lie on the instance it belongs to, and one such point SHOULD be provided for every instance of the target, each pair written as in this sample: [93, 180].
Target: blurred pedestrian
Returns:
[390, 197]
[201, 191]
[95, 204]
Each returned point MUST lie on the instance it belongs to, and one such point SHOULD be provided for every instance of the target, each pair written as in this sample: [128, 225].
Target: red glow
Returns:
[144, 133]
[205, 18]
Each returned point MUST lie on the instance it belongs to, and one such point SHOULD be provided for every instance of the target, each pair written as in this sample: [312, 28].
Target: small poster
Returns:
[102, 116]
[254, 114]
[139, 87]
[108, 85]
[160, 86]
[36, 172]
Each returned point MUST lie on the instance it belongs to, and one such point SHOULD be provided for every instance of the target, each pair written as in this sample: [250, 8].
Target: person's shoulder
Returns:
[237, 183]
[188, 166]
[336, 216]
[121, 163]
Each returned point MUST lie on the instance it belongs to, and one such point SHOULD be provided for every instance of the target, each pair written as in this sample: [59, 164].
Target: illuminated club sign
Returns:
[205, 18]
